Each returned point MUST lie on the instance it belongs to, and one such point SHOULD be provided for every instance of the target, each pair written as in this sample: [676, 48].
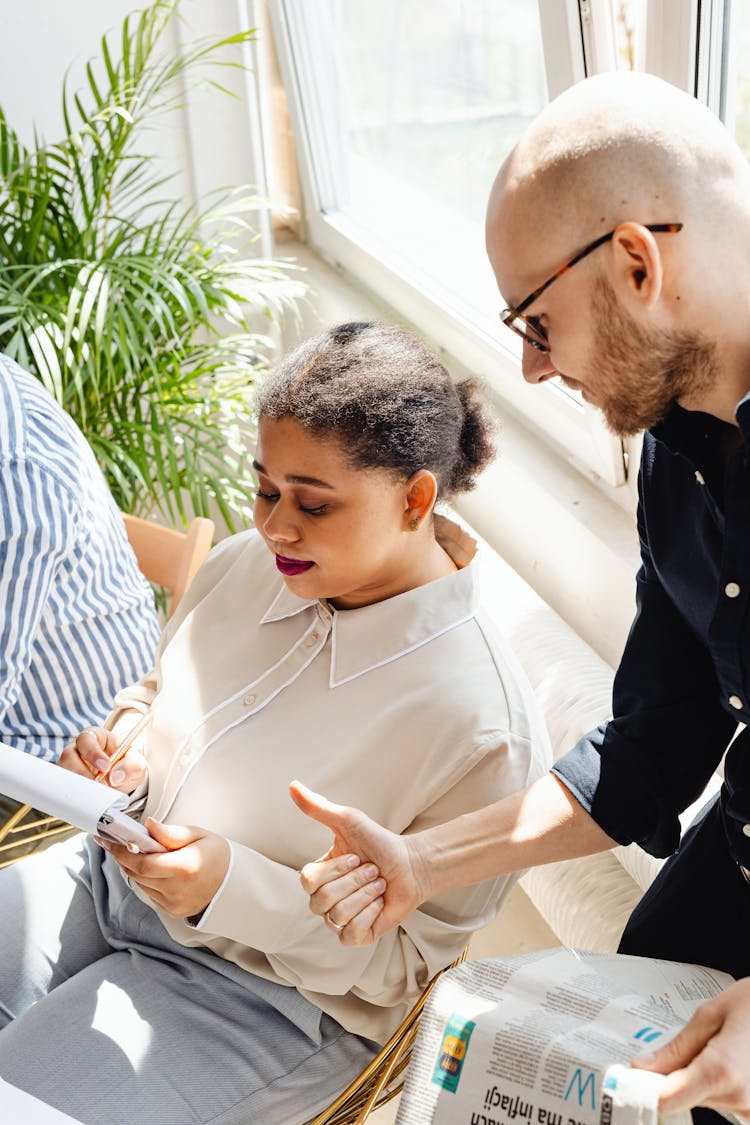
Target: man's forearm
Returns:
[541, 824]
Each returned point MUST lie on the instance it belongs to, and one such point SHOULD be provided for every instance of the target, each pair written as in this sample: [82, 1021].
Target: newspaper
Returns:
[546, 1038]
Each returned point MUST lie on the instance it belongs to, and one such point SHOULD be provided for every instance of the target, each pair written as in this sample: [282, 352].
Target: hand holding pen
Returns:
[98, 753]
[106, 769]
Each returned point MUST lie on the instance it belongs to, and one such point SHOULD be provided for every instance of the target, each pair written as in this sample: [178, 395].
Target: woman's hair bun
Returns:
[388, 399]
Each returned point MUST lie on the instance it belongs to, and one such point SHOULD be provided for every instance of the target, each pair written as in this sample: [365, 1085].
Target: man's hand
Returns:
[708, 1061]
[369, 880]
[90, 754]
[183, 880]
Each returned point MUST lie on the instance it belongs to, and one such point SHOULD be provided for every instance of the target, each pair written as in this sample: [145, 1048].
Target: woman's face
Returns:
[337, 532]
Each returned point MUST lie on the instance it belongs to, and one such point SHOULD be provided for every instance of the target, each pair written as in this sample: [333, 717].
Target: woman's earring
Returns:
[414, 523]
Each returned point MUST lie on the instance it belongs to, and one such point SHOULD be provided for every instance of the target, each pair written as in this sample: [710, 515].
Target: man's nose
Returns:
[535, 365]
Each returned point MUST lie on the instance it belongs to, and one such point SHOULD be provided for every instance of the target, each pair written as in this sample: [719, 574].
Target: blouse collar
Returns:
[373, 635]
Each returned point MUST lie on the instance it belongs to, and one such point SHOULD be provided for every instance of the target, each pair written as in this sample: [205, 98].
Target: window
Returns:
[731, 29]
[418, 101]
[404, 109]
[403, 112]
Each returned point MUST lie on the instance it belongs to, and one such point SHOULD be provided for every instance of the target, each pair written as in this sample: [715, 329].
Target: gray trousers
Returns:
[105, 1017]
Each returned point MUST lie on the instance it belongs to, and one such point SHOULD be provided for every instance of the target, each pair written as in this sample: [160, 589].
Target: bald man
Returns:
[619, 233]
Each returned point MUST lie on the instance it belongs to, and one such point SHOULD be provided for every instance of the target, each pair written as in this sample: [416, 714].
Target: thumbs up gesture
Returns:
[369, 880]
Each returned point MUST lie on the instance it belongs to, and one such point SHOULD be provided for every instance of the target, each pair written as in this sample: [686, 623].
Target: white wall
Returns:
[208, 143]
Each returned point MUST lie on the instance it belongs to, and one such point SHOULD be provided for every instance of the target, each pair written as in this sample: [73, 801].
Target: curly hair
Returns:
[388, 401]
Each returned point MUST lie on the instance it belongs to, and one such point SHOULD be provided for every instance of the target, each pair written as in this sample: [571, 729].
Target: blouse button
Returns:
[312, 640]
[699, 477]
[732, 590]
[185, 759]
[735, 702]
[248, 700]
[746, 829]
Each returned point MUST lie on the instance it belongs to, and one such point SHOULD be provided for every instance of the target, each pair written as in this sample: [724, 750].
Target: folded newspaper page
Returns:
[546, 1038]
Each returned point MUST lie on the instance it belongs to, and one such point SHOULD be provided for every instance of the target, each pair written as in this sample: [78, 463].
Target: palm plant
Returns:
[139, 314]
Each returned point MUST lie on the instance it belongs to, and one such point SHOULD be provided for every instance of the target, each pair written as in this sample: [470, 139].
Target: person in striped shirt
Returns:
[77, 617]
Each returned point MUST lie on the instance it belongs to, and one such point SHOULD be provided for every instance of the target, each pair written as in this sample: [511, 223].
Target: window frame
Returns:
[576, 39]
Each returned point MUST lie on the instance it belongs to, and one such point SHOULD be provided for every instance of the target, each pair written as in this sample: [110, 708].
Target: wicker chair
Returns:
[383, 1079]
[166, 557]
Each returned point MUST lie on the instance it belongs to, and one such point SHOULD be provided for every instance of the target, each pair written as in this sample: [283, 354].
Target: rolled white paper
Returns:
[58, 792]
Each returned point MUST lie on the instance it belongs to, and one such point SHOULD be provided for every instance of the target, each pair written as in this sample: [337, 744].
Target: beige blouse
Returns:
[412, 709]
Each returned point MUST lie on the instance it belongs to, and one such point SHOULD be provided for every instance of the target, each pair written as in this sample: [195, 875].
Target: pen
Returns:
[125, 745]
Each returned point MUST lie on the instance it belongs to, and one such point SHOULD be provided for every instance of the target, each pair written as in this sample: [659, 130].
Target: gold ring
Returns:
[331, 922]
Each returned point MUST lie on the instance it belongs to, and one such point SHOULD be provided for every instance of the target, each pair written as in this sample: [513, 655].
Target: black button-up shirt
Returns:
[683, 684]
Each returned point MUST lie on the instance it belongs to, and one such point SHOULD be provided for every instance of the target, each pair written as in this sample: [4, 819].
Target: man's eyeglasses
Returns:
[528, 327]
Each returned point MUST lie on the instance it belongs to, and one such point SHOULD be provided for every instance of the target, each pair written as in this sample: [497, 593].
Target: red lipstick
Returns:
[291, 567]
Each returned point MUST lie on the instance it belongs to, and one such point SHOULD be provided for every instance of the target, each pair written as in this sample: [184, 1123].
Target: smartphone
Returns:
[119, 828]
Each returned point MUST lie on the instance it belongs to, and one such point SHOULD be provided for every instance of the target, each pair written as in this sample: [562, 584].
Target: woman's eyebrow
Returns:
[296, 479]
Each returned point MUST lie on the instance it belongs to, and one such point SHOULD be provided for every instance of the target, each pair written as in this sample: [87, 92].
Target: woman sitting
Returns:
[343, 641]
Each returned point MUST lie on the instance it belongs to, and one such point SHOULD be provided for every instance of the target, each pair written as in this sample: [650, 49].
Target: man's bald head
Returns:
[646, 320]
[613, 148]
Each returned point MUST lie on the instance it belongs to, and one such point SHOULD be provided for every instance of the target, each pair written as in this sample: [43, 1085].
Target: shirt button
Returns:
[248, 701]
[735, 702]
[732, 590]
[312, 640]
[185, 759]
[699, 477]
[746, 829]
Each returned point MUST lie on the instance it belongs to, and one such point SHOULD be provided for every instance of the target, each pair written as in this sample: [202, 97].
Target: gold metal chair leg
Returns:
[370, 1090]
[13, 820]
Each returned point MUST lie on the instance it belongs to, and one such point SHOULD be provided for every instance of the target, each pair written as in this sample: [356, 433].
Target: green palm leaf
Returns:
[140, 315]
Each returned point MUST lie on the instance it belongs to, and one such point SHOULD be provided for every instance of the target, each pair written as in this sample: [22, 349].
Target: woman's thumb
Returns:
[172, 836]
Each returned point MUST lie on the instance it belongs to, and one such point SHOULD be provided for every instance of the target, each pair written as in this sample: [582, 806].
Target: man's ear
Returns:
[420, 496]
[638, 273]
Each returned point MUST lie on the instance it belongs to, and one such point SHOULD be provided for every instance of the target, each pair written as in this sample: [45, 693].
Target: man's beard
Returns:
[639, 373]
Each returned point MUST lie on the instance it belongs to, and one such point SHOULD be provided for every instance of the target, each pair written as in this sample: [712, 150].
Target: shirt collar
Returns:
[742, 414]
[286, 604]
[685, 431]
[694, 434]
[691, 432]
[367, 638]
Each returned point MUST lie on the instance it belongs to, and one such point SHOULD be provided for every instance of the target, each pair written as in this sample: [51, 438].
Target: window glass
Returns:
[628, 26]
[737, 72]
[406, 110]
[421, 102]
[438, 92]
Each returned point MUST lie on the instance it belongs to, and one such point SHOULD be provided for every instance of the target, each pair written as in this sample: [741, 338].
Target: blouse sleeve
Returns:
[262, 905]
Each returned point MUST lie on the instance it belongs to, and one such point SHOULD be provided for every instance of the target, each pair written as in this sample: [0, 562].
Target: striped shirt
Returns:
[77, 618]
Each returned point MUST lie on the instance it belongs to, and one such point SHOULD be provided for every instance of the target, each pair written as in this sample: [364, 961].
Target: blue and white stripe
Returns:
[77, 618]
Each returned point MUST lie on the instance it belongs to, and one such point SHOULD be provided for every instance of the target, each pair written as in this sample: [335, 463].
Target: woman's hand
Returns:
[369, 880]
[183, 880]
[708, 1062]
[90, 754]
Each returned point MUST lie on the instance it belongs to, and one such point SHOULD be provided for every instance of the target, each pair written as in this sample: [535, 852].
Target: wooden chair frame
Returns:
[167, 557]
